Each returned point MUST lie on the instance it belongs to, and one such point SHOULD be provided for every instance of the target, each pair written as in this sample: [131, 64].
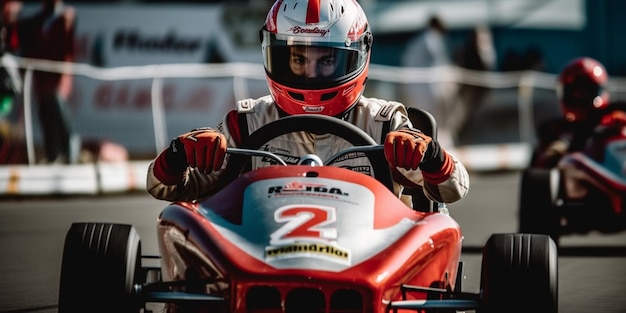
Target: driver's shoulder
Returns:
[380, 109]
[255, 113]
[259, 105]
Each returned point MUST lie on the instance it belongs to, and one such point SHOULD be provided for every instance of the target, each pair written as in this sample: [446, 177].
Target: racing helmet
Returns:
[316, 55]
[581, 89]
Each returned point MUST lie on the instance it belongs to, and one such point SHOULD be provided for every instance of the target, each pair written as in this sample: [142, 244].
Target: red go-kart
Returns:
[585, 192]
[303, 238]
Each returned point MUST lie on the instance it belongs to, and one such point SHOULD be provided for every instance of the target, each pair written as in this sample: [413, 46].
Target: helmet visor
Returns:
[312, 65]
[581, 94]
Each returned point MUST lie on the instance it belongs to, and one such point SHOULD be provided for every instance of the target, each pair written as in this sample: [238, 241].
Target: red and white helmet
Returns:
[316, 55]
[582, 89]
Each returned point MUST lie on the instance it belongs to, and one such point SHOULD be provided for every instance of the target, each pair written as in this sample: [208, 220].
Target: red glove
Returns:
[405, 148]
[614, 119]
[205, 149]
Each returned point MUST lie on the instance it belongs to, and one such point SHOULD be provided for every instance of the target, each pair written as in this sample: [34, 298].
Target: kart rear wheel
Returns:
[101, 263]
[519, 274]
[537, 212]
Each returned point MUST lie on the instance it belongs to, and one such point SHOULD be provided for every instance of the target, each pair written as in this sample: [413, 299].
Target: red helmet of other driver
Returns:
[582, 89]
[316, 55]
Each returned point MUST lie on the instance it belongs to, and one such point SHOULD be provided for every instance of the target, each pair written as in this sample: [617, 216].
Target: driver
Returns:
[584, 101]
[316, 56]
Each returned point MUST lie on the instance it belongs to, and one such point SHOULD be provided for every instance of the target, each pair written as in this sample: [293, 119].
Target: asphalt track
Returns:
[592, 276]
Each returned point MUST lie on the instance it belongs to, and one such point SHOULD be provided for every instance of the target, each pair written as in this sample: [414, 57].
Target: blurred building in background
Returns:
[130, 36]
[557, 30]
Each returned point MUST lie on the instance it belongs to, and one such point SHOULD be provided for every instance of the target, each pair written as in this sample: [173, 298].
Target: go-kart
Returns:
[584, 192]
[309, 237]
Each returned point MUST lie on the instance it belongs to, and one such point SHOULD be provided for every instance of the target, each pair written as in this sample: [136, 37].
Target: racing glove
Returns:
[410, 149]
[614, 119]
[201, 148]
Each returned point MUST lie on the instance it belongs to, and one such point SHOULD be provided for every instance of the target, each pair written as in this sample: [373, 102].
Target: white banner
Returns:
[116, 36]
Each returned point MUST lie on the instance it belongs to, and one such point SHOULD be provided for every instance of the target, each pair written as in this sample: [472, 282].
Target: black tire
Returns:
[539, 189]
[101, 263]
[519, 274]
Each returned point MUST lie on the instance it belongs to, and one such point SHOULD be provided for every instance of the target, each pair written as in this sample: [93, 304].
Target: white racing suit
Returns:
[376, 117]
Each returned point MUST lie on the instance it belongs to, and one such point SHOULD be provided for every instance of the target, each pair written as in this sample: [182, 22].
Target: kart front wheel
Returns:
[537, 212]
[519, 274]
[101, 263]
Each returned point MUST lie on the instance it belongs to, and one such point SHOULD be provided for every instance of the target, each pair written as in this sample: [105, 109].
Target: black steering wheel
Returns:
[315, 124]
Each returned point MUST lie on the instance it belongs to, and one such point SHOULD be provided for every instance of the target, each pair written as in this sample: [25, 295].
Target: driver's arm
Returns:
[190, 168]
[418, 160]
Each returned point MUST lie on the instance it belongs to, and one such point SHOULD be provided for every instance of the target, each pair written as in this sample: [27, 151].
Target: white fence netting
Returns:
[142, 107]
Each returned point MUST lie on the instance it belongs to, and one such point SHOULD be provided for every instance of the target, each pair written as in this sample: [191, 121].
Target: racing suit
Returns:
[376, 117]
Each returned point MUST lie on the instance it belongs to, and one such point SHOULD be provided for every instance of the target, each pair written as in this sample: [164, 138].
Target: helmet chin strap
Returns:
[343, 116]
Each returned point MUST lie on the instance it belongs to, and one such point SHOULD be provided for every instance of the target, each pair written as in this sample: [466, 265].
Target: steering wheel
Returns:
[314, 123]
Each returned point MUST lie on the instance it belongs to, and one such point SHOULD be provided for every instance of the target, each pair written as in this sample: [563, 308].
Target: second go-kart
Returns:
[585, 192]
[299, 238]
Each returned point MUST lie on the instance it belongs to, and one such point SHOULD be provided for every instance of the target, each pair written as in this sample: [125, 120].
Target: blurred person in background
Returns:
[47, 34]
[429, 47]
[11, 151]
[316, 58]
[530, 60]
[584, 101]
[477, 54]
[429, 50]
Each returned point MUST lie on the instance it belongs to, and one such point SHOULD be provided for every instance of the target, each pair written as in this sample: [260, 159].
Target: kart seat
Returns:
[424, 121]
